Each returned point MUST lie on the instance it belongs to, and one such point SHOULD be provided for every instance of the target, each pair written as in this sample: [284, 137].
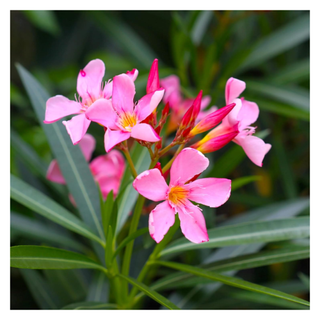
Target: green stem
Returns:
[130, 162]
[133, 228]
[153, 256]
[166, 149]
[168, 165]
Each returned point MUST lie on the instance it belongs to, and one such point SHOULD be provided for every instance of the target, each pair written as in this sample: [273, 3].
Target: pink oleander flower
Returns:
[122, 118]
[245, 113]
[107, 170]
[177, 197]
[91, 93]
[179, 106]
[235, 126]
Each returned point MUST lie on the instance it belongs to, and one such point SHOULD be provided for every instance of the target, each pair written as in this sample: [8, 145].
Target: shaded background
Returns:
[267, 49]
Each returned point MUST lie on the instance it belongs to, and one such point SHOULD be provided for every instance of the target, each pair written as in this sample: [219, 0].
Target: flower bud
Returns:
[153, 83]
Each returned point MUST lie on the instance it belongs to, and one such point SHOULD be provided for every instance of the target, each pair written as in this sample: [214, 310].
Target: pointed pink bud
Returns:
[165, 110]
[190, 116]
[216, 138]
[153, 83]
[211, 120]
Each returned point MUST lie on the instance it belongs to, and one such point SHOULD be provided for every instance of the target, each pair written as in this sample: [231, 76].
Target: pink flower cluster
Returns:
[112, 105]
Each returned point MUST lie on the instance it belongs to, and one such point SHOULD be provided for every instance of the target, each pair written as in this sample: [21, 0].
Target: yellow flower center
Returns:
[127, 121]
[177, 195]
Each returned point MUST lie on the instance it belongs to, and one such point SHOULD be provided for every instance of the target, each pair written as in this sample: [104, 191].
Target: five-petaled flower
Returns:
[212, 192]
[121, 117]
[92, 94]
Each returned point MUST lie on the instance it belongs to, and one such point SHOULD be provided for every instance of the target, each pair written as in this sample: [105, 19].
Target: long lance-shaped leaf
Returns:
[128, 239]
[40, 290]
[263, 258]
[40, 203]
[71, 161]
[90, 305]
[231, 281]
[99, 288]
[40, 257]
[283, 39]
[251, 232]
[151, 293]
[36, 230]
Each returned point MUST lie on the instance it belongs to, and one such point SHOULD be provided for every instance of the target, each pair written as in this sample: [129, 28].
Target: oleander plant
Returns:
[147, 180]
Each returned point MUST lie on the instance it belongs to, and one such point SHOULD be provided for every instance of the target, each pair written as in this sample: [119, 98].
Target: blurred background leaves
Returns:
[267, 49]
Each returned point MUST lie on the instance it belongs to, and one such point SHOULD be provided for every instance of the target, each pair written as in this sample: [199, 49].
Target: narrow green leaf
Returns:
[292, 73]
[44, 20]
[281, 40]
[90, 305]
[248, 261]
[40, 257]
[200, 26]
[99, 288]
[141, 159]
[40, 289]
[251, 232]
[282, 109]
[293, 95]
[227, 162]
[239, 182]
[231, 281]
[107, 211]
[71, 161]
[68, 284]
[254, 297]
[28, 154]
[37, 201]
[36, 230]
[149, 292]
[109, 247]
[128, 239]
[278, 210]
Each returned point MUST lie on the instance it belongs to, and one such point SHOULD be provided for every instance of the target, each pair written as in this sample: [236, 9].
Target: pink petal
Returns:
[148, 103]
[107, 90]
[107, 183]
[123, 93]
[87, 145]
[192, 223]
[151, 184]
[90, 79]
[133, 74]
[111, 164]
[232, 117]
[101, 111]
[58, 107]
[112, 138]
[171, 85]
[77, 127]
[54, 173]
[254, 147]
[248, 114]
[211, 120]
[203, 114]
[143, 131]
[234, 88]
[188, 163]
[212, 192]
[153, 78]
[161, 218]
